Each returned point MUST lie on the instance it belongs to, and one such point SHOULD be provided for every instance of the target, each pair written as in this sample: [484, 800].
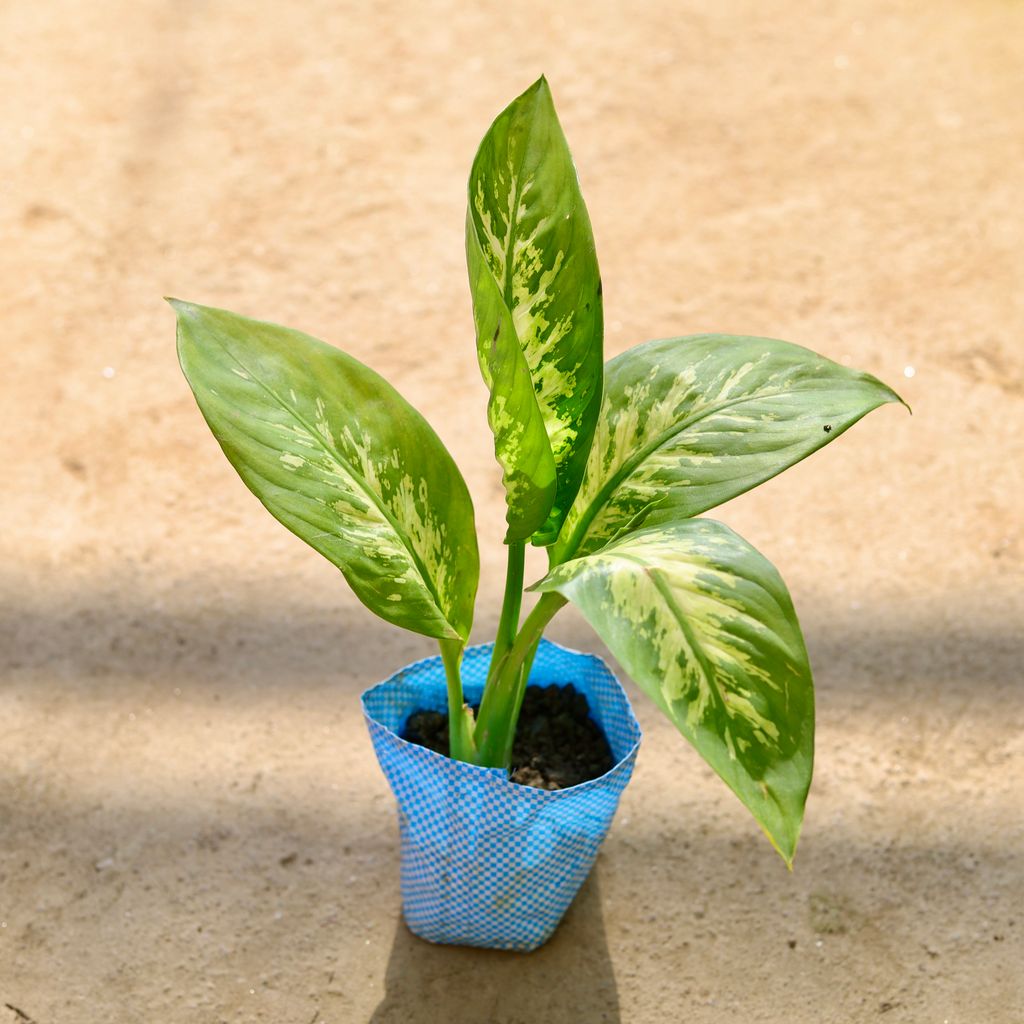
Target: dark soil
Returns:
[557, 743]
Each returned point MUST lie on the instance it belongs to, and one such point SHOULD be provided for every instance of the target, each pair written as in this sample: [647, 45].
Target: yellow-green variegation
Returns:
[537, 308]
[688, 423]
[343, 461]
[606, 465]
[705, 626]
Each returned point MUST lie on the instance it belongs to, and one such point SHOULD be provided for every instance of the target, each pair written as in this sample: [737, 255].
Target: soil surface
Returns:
[193, 828]
[557, 744]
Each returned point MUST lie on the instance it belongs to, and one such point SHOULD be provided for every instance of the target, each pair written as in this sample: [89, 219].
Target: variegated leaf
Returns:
[520, 442]
[537, 304]
[705, 626]
[342, 460]
[688, 423]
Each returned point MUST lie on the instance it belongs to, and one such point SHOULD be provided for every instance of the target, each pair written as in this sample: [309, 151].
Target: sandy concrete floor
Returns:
[179, 676]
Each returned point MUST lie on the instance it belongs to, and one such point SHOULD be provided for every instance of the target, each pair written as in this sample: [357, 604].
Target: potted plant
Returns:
[607, 466]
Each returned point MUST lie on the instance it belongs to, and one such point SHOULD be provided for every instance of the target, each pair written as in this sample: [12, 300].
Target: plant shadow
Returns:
[568, 979]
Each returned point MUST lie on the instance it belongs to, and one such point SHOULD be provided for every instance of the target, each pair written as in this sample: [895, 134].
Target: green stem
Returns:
[508, 625]
[524, 678]
[460, 716]
[503, 695]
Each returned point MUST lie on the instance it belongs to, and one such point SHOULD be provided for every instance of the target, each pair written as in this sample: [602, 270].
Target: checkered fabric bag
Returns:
[487, 862]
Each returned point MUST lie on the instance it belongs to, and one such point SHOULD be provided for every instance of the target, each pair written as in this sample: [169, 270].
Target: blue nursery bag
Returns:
[485, 861]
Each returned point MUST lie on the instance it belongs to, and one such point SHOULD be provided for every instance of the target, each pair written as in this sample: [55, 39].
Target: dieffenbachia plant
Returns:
[605, 465]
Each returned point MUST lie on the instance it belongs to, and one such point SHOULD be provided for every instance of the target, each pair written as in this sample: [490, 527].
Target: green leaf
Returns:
[689, 423]
[705, 626]
[537, 306]
[342, 460]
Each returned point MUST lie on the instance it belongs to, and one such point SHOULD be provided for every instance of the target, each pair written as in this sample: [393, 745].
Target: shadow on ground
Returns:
[220, 883]
[225, 845]
[119, 632]
[568, 979]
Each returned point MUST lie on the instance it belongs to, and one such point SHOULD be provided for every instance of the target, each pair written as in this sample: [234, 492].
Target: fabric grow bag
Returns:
[485, 861]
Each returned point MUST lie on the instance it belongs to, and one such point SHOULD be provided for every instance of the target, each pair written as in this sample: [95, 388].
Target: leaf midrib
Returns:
[657, 577]
[629, 465]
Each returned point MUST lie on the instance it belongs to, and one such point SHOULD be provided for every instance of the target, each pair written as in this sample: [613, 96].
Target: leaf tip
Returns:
[894, 397]
[181, 307]
[540, 89]
[890, 393]
[785, 847]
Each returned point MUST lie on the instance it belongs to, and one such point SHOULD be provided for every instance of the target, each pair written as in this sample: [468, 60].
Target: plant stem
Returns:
[524, 678]
[460, 716]
[503, 695]
[508, 625]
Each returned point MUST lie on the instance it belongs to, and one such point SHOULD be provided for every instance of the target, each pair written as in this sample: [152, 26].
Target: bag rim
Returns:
[500, 775]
